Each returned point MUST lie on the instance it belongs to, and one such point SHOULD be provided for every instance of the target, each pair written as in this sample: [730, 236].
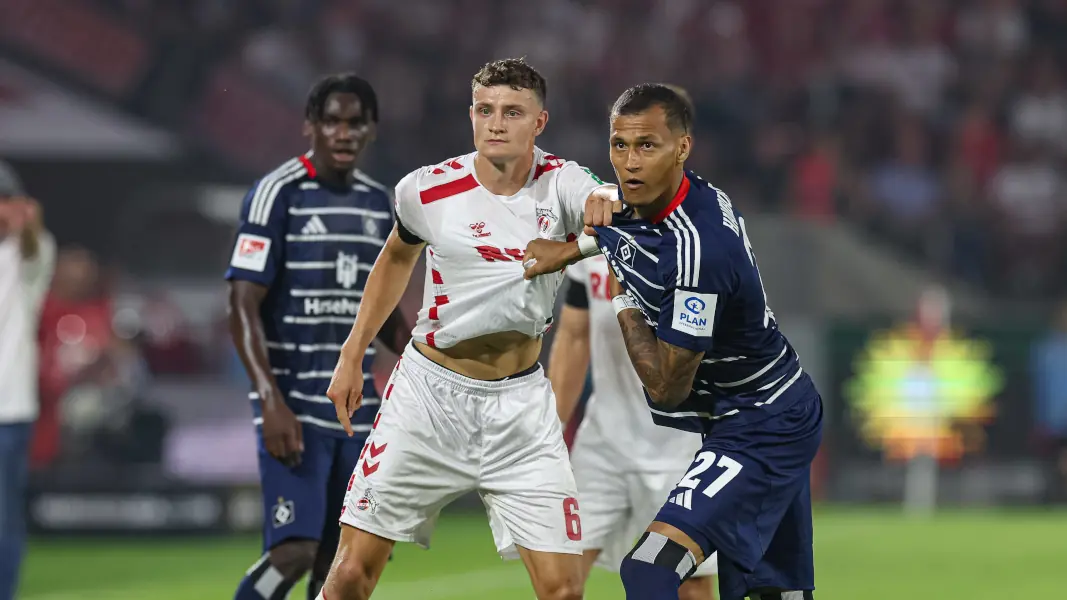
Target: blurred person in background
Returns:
[1049, 370]
[27, 255]
[309, 233]
[75, 337]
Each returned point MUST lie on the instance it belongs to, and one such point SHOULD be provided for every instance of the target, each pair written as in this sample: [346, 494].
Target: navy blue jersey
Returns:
[312, 246]
[694, 275]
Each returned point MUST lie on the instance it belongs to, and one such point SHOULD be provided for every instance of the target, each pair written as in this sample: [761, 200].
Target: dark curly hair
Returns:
[345, 83]
[512, 72]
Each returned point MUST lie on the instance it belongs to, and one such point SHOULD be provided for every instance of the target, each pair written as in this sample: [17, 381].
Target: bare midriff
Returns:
[488, 357]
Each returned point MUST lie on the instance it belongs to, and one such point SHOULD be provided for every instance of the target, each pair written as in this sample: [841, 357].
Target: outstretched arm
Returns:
[666, 370]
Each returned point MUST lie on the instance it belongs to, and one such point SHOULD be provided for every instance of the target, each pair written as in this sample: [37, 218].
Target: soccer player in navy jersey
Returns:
[696, 325]
[310, 231]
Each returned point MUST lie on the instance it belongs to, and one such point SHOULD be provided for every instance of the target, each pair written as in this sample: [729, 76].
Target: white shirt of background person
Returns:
[25, 275]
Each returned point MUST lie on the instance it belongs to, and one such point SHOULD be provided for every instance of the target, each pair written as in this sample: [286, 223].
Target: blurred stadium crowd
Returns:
[937, 127]
[940, 125]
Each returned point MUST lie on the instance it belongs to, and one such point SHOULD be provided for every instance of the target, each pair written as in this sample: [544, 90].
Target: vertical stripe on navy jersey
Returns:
[695, 233]
[688, 251]
[269, 187]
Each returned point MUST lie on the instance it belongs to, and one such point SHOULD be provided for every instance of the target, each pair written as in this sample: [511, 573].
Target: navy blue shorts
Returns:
[305, 502]
[747, 496]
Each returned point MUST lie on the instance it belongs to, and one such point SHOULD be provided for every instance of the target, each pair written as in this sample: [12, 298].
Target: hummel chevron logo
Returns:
[375, 451]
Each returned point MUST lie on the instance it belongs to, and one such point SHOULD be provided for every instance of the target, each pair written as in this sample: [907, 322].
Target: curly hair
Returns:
[514, 73]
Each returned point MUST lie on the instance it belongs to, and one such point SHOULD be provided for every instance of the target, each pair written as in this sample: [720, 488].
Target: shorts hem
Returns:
[512, 552]
[274, 542]
[600, 544]
[699, 537]
[378, 531]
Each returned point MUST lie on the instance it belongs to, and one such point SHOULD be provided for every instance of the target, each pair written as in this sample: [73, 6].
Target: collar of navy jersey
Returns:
[628, 211]
[305, 159]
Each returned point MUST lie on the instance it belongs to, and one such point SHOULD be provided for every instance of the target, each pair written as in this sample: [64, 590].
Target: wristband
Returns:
[588, 246]
[623, 302]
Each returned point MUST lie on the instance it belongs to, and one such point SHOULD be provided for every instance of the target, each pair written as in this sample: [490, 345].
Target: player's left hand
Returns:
[546, 256]
[598, 210]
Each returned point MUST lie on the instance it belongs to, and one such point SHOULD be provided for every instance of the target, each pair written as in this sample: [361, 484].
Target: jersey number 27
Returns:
[768, 314]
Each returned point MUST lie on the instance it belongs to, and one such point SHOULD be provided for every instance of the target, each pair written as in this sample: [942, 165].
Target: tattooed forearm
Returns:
[666, 371]
[643, 348]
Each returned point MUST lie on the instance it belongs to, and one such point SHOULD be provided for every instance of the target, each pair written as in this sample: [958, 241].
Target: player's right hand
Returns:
[283, 435]
[346, 390]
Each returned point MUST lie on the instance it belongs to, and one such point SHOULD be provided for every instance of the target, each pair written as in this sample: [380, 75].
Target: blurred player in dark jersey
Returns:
[310, 231]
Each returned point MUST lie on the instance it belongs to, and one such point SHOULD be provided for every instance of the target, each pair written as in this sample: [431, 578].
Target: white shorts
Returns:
[439, 435]
[617, 506]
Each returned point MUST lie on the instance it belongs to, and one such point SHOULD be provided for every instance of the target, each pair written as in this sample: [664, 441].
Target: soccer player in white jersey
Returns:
[625, 464]
[468, 407]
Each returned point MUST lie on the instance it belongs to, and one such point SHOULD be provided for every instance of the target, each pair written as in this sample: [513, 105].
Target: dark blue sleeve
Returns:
[259, 246]
[696, 282]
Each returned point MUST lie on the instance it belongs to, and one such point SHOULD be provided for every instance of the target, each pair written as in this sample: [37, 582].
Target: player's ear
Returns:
[307, 129]
[542, 121]
[684, 148]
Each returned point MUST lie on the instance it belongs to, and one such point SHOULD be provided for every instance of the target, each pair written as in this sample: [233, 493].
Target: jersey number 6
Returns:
[704, 461]
[572, 522]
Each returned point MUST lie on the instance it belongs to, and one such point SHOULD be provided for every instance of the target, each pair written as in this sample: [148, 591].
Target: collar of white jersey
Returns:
[538, 156]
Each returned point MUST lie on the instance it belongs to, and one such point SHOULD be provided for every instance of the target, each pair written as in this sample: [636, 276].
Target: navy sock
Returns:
[263, 582]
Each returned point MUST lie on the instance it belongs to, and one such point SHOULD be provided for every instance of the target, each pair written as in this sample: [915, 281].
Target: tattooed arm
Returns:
[667, 371]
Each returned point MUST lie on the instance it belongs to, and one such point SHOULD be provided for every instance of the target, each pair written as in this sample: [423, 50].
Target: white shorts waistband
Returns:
[417, 359]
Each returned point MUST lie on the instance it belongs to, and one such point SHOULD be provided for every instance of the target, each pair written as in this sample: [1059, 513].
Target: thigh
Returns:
[416, 460]
[294, 498]
[742, 483]
[14, 468]
[649, 491]
[788, 562]
[552, 574]
[526, 479]
[358, 564]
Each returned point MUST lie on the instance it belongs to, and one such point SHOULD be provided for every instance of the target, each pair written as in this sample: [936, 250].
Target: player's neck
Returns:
[332, 177]
[651, 211]
[503, 178]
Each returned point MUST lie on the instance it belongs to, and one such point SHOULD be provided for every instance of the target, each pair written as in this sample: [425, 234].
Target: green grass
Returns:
[875, 555]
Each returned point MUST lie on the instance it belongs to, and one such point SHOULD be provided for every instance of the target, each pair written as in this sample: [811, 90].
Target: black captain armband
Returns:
[576, 295]
[405, 234]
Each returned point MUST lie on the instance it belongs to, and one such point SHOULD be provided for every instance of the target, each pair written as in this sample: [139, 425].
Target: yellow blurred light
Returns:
[916, 396]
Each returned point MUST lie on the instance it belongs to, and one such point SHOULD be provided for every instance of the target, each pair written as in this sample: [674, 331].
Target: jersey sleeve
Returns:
[576, 272]
[577, 293]
[410, 217]
[696, 279]
[259, 248]
[574, 183]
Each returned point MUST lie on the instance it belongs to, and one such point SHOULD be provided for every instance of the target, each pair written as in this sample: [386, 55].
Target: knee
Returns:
[697, 588]
[350, 580]
[562, 590]
[294, 558]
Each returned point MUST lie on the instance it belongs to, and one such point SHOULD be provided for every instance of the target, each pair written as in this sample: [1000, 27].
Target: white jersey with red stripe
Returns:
[476, 241]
